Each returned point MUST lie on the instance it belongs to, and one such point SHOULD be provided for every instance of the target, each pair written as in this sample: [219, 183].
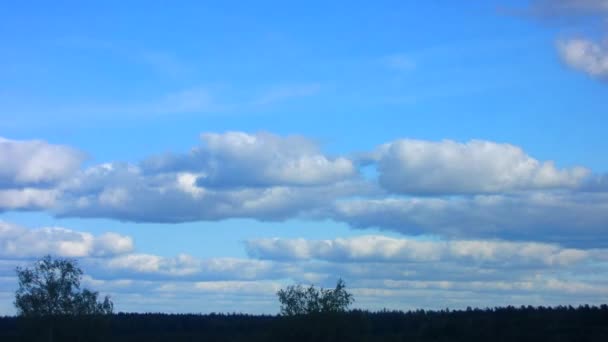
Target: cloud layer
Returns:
[381, 271]
[375, 248]
[466, 190]
[21, 242]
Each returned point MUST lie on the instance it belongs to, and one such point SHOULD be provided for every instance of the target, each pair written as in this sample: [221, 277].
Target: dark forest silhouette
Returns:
[584, 323]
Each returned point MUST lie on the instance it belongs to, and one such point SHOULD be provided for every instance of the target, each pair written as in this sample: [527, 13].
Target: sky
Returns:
[198, 156]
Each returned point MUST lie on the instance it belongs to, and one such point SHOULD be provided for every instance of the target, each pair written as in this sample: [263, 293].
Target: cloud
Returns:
[21, 242]
[449, 167]
[582, 54]
[237, 159]
[561, 8]
[472, 190]
[586, 56]
[378, 248]
[285, 92]
[36, 163]
[125, 192]
[185, 267]
[27, 199]
[570, 219]
[398, 273]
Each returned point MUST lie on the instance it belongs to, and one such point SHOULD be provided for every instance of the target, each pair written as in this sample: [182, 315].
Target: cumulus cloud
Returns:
[376, 248]
[449, 167]
[21, 242]
[127, 192]
[473, 190]
[571, 219]
[582, 54]
[27, 199]
[35, 163]
[237, 159]
[586, 56]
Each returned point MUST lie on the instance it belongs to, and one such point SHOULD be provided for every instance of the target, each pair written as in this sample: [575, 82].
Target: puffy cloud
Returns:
[237, 159]
[586, 56]
[582, 54]
[126, 192]
[27, 199]
[21, 242]
[571, 219]
[35, 163]
[448, 167]
[376, 248]
[488, 190]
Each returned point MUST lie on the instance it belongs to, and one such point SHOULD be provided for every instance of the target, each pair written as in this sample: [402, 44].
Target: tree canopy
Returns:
[51, 287]
[299, 300]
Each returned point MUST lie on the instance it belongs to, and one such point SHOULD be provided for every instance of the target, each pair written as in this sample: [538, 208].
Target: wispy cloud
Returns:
[164, 63]
[285, 92]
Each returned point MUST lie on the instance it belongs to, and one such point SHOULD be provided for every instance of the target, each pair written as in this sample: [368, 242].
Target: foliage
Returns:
[298, 300]
[52, 288]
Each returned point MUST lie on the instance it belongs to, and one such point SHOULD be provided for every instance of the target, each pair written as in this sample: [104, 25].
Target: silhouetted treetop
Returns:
[52, 287]
[298, 300]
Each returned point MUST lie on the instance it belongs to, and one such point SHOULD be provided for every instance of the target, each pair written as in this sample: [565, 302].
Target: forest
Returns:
[562, 323]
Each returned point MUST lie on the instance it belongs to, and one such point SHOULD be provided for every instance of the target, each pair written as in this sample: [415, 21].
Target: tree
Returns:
[298, 300]
[52, 288]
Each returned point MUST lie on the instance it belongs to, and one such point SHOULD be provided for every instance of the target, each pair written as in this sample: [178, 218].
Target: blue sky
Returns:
[197, 157]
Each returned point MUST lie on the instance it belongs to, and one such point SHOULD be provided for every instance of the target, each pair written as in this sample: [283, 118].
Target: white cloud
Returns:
[448, 167]
[27, 199]
[531, 285]
[240, 287]
[375, 248]
[185, 266]
[127, 192]
[237, 159]
[571, 219]
[586, 56]
[268, 159]
[20, 242]
[582, 54]
[399, 273]
[487, 189]
[34, 163]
